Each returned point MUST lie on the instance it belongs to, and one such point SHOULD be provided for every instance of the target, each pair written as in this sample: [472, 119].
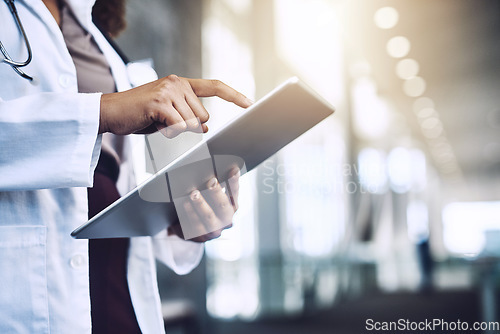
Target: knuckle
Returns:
[235, 96]
[151, 115]
[173, 77]
[215, 83]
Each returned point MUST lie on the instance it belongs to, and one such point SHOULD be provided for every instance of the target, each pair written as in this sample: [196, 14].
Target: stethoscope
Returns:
[138, 72]
[6, 58]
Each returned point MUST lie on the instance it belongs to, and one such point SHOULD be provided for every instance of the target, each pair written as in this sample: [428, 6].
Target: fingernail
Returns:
[212, 183]
[164, 131]
[195, 195]
[168, 132]
[248, 102]
[235, 172]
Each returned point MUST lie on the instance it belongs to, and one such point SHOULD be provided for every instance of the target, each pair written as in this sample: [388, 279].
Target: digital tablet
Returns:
[249, 139]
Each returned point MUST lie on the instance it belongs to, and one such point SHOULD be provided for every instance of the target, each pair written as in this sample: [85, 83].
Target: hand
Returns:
[170, 102]
[209, 215]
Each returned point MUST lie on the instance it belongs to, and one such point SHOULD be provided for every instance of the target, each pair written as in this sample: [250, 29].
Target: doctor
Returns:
[50, 141]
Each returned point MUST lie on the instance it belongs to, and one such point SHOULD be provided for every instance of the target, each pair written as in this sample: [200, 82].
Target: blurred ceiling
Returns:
[457, 45]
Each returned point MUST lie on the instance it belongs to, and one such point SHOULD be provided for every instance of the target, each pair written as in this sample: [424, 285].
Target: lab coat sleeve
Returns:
[49, 140]
[180, 255]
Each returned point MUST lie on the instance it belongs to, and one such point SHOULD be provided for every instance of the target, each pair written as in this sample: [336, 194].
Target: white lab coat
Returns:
[48, 151]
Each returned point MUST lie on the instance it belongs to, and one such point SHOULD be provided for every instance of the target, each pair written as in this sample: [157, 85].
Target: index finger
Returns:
[208, 88]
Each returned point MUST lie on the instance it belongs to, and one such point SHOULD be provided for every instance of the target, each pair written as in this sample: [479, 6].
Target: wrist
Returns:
[104, 113]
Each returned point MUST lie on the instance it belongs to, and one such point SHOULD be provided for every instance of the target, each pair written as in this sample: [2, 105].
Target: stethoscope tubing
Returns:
[15, 65]
[7, 59]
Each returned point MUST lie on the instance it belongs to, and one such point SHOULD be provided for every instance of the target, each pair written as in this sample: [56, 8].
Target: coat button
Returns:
[78, 261]
[65, 80]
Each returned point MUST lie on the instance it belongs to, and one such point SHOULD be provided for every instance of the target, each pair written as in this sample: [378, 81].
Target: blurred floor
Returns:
[350, 316]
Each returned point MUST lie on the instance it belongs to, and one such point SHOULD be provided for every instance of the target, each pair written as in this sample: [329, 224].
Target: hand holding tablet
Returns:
[208, 212]
[250, 138]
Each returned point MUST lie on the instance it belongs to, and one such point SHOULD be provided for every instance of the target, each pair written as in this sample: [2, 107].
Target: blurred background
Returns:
[388, 209]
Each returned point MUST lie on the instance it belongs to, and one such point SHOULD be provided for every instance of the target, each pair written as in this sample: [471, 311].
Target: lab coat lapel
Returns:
[38, 8]
[83, 11]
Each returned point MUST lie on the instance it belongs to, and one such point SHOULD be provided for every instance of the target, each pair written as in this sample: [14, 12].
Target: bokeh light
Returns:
[398, 47]
[414, 87]
[407, 68]
[386, 17]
